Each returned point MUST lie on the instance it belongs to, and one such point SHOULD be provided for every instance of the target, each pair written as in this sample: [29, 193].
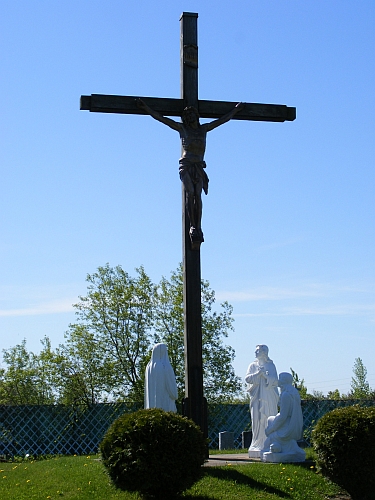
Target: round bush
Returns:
[153, 452]
[344, 441]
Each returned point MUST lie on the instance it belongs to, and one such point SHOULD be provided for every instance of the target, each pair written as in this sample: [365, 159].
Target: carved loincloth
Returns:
[195, 171]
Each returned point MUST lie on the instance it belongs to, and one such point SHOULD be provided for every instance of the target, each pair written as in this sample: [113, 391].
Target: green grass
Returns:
[82, 478]
[226, 452]
[310, 454]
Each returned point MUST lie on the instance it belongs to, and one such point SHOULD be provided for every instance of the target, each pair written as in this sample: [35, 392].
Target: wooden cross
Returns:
[194, 405]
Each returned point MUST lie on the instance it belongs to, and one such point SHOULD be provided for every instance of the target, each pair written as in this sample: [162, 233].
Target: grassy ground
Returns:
[82, 478]
[310, 454]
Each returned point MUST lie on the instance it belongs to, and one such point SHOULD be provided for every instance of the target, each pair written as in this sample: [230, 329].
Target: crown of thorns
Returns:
[187, 109]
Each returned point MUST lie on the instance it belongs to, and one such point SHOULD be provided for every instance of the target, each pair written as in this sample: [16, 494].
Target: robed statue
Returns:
[160, 381]
[262, 381]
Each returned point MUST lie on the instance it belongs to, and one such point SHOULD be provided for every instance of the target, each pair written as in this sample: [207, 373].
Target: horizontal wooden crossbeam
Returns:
[173, 107]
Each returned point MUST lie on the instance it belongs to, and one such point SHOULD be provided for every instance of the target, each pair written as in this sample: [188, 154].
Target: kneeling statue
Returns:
[284, 429]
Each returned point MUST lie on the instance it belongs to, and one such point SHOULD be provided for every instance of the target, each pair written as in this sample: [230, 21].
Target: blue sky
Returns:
[289, 220]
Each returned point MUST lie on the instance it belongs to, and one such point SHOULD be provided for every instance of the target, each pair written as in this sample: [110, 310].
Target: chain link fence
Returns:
[44, 430]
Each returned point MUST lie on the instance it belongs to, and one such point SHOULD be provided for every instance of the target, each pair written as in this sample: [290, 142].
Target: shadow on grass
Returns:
[233, 475]
[191, 497]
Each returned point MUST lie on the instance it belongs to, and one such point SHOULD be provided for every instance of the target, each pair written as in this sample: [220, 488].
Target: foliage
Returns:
[344, 441]
[299, 384]
[220, 381]
[27, 379]
[316, 395]
[154, 452]
[359, 385]
[242, 398]
[169, 323]
[335, 395]
[106, 350]
[86, 377]
[114, 323]
[50, 377]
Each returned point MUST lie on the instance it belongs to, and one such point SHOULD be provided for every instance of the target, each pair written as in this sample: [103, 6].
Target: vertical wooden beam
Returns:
[194, 403]
[189, 58]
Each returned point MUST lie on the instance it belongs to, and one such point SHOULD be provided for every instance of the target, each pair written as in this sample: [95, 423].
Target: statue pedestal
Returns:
[254, 453]
[268, 456]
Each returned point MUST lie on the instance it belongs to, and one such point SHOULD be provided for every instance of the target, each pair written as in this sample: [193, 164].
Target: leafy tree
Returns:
[300, 385]
[169, 323]
[335, 395]
[86, 375]
[110, 343]
[48, 362]
[316, 395]
[106, 350]
[26, 379]
[220, 381]
[360, 388]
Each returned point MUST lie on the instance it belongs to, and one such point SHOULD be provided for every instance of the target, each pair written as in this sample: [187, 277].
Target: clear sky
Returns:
[289, 219]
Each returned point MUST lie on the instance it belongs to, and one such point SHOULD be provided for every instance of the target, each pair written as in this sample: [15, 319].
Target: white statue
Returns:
[264, 396]
[160, 381]
[285, 428]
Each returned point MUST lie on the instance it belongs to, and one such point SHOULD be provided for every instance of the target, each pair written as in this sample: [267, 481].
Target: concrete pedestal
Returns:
[268, 456]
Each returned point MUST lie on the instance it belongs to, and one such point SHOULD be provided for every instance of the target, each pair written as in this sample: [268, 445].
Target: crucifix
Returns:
[194, 179]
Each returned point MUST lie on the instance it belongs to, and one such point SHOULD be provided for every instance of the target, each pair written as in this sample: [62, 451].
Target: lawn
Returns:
[85, 478]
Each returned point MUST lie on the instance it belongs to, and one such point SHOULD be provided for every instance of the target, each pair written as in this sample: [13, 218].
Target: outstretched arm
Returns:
[224, 118]
[157, 116]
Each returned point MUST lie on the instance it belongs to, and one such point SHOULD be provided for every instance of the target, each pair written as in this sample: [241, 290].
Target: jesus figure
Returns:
[192, 165]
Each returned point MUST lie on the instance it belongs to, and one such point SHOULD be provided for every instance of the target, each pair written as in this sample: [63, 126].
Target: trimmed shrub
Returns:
[344, 441]
[154, 452]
